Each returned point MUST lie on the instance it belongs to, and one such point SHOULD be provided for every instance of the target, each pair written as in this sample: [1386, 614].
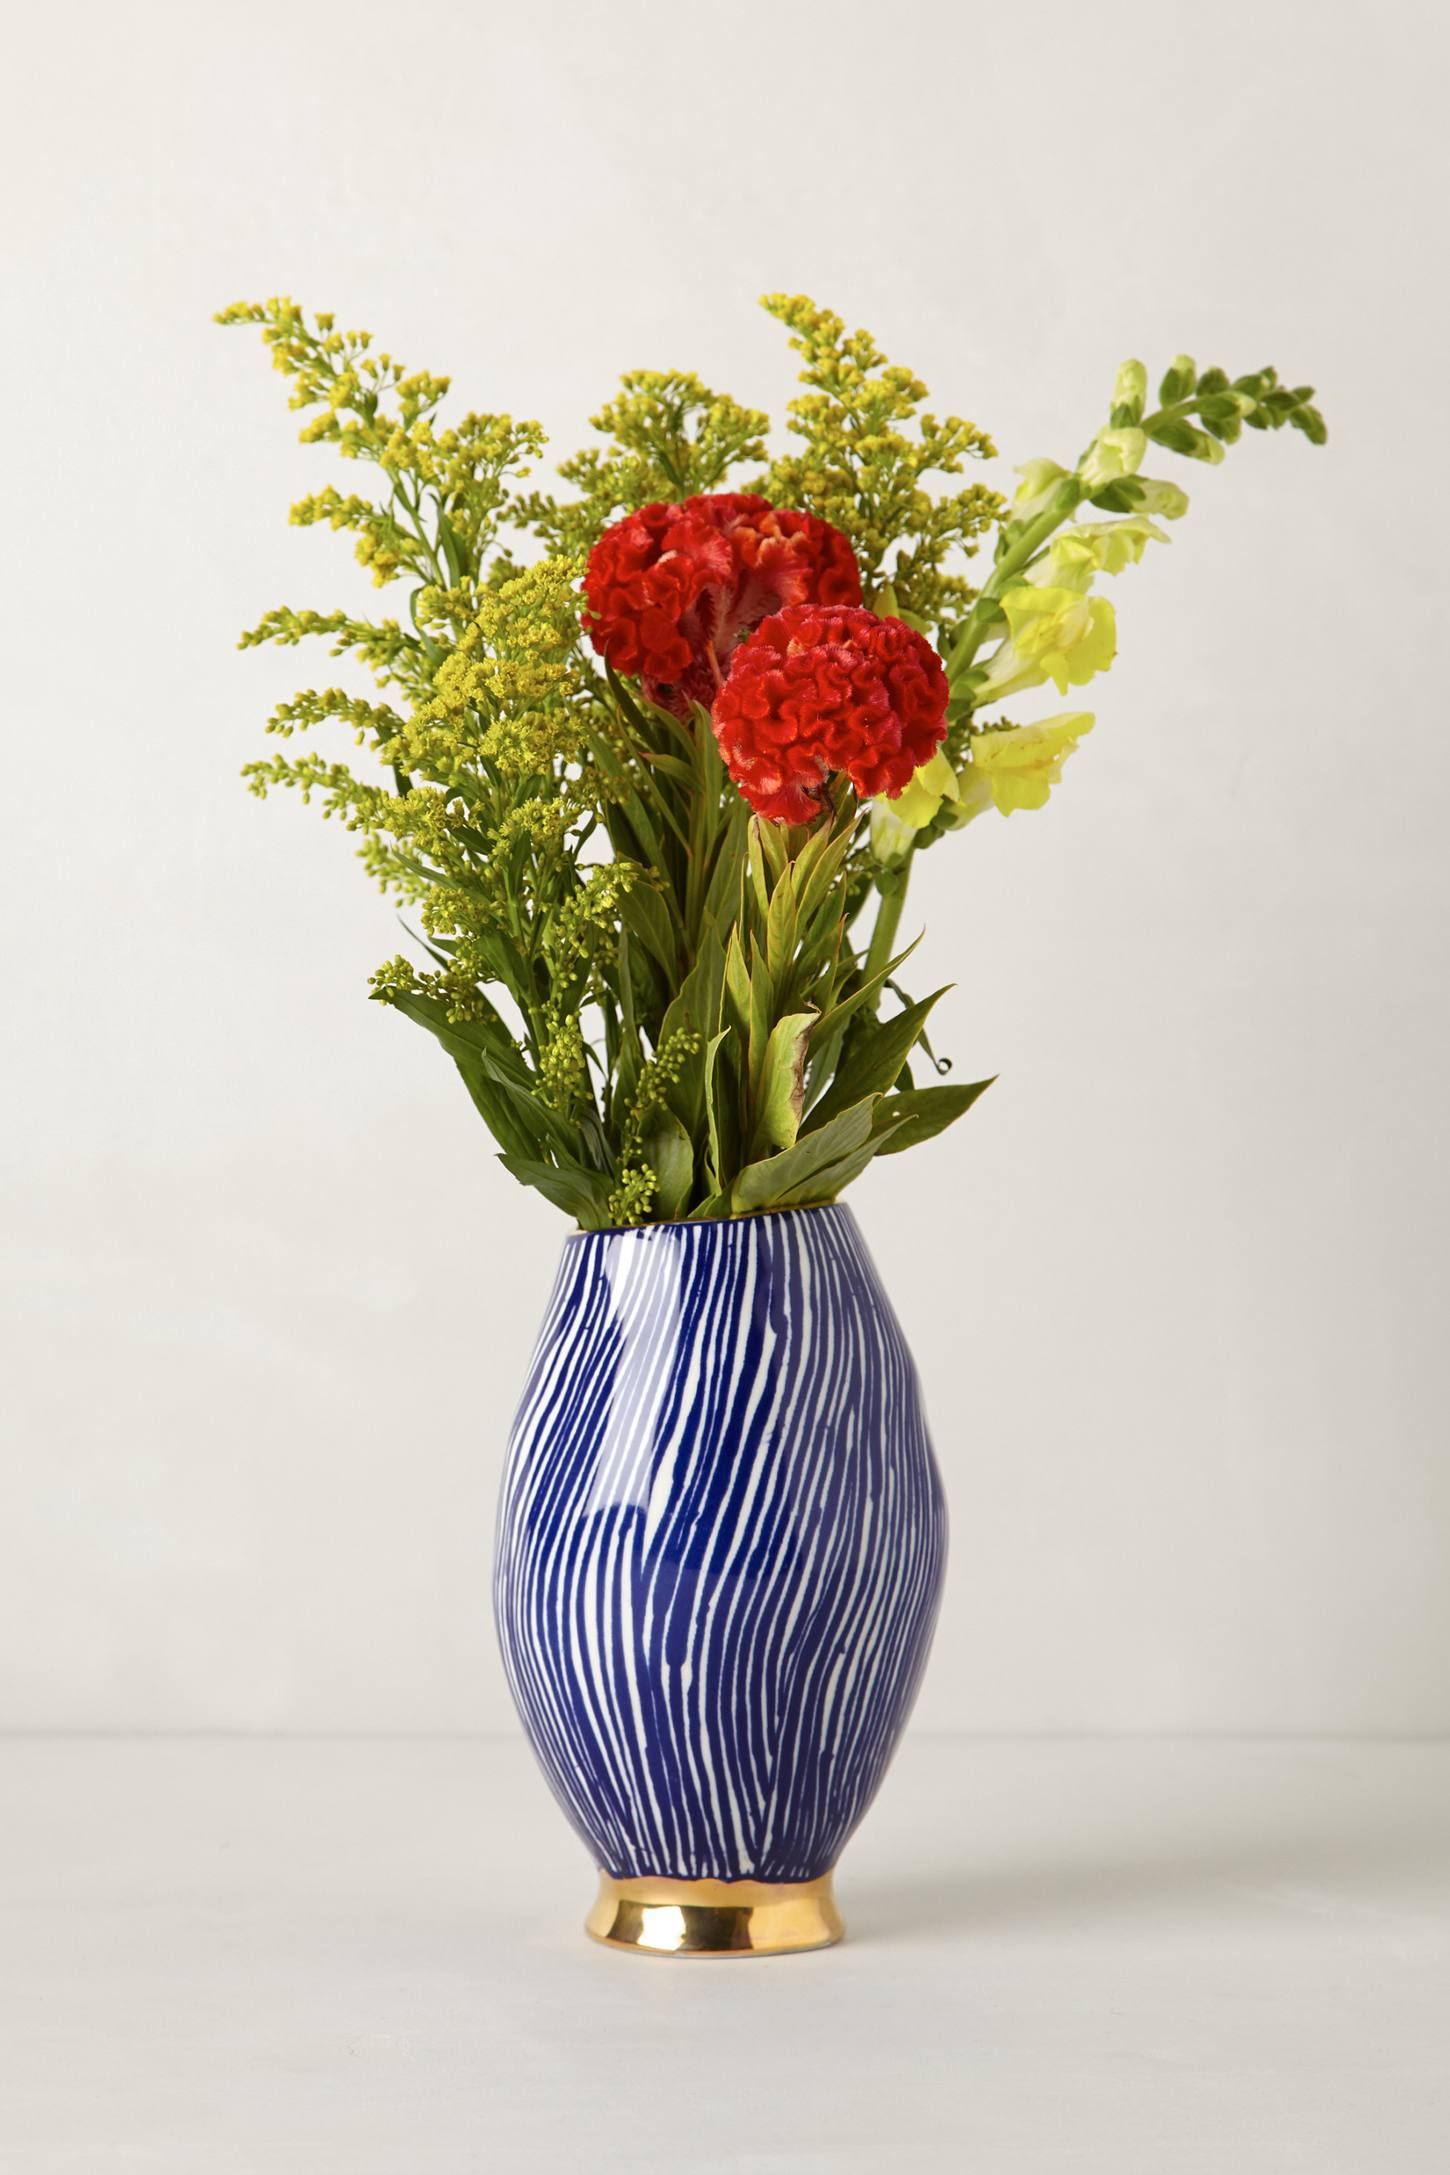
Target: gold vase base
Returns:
[714, 1917]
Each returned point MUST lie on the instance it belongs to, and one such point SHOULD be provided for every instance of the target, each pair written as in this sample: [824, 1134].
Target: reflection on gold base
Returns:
[714, 1917]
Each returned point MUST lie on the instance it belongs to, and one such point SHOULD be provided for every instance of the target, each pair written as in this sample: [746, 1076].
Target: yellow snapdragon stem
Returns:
[964, 649]
[969, 641]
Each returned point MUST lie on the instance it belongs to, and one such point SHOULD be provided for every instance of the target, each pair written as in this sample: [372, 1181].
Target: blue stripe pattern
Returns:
[721, 1544]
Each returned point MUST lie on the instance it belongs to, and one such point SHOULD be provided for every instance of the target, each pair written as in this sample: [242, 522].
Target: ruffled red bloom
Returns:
[673, 589]
[813, 692]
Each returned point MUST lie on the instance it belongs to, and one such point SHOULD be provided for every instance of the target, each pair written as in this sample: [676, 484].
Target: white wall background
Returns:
[1177, 1289]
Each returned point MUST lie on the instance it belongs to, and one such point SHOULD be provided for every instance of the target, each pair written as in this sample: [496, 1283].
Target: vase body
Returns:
[720, 1551]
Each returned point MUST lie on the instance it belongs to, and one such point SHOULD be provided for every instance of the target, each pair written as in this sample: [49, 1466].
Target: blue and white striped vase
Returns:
[720, 1551]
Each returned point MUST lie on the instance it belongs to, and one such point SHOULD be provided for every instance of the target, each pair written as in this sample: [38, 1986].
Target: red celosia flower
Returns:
[673, 589]
[815, 691]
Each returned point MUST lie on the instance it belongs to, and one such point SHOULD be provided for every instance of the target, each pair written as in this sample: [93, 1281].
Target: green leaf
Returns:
[486, 1032]
[874, 1054]
[671, 767]
[694, 1008]
[762, 1012]
[780, 1093]
[496, 1109]
[759, 874]
[629, 1057]
[646, 722]
[628, 803]
[584, 1195]
[816, 871]
[643, 911]
[721, 1138]
[671, 1156]
[722, 899]
[1177, 437]
[546, 1125]
[773, 840]
[1178, 380]
[495, 1075]
[924, 1112]
[1227, 429]
[831, 1028]
[766, 1183]
[841, 1013]
[1118, 497]
[453, 549]
[834, 1178]
[780, 934]
[737, 985]
[699, 994]
[709, 762]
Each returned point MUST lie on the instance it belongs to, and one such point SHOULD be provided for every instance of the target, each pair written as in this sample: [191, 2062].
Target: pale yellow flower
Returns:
[925, 790]
[1157, 497]
[1096, 547]
[1113, 454]
[1014, 768]
[1053, 634]
[892, 837]
[1035, 492]
[1019, 768]
[895, 823]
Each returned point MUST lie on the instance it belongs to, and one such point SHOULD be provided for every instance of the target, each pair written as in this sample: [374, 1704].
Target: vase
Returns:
[721, 1546]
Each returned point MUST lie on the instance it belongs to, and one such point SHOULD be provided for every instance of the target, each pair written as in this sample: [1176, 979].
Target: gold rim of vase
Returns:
[656, 1917]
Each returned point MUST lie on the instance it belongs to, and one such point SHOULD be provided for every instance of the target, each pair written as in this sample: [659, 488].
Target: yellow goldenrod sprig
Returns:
[867, 447]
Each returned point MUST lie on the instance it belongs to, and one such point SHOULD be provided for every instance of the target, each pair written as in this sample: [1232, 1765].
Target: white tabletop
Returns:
[358, 1955]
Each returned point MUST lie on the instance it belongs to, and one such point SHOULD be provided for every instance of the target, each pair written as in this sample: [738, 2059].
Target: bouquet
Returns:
[650, 763]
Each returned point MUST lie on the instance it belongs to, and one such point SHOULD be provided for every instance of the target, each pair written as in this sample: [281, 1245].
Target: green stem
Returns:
[891, 885]
[412, 508]
[1178, 411]
[1011, 563]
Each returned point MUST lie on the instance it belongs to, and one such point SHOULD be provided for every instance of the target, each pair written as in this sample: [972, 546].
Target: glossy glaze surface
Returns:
[721, 1544]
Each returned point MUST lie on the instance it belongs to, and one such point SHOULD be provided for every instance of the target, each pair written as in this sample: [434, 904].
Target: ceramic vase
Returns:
[720, 1551]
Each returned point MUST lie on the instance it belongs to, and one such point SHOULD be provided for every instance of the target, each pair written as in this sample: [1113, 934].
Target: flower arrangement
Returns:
[653, 761]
